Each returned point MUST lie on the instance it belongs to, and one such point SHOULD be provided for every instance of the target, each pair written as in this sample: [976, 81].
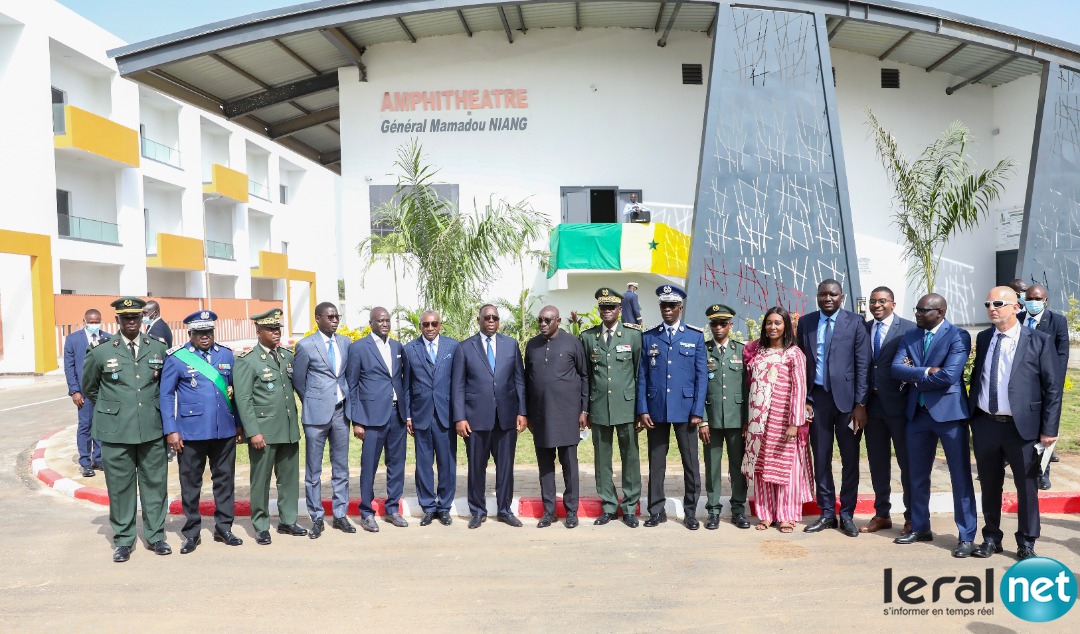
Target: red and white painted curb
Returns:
[529, 507]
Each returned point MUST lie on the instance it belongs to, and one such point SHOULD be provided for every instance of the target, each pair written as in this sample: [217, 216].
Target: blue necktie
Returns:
[826, 383]
[431, 352]
[877, 339]
[926, 346]
[332, 354]
[1031, 323]
[993, 400]
[491, 356]
[670, 333]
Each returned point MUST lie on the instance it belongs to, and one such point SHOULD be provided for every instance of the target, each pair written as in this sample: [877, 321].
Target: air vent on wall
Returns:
[691, 74]
[890, 77]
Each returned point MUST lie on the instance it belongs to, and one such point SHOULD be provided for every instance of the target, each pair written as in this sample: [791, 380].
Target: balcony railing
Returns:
[257, 189]
[219, 250]
[160, 152]
[59, 126]
[87, 229]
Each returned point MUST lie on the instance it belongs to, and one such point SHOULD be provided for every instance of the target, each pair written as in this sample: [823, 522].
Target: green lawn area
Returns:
[1069, 430]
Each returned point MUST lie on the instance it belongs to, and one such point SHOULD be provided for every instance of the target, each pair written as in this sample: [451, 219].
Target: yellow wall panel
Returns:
[95, 134]
[272, 265]
[39, 248]
[227, 182]
[177, 252]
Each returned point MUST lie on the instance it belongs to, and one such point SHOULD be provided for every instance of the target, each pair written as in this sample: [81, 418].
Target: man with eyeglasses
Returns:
[1041, 318]
[1016, 405]
[489, 411]
[931, 359]
[885, 421]
[557, 390]
[428, 364]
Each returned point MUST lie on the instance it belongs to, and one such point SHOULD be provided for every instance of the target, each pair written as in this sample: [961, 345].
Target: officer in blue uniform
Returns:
[200, 424]
[671, 387]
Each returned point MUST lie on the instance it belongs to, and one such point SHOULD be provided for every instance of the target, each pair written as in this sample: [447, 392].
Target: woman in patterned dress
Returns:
[777, 456]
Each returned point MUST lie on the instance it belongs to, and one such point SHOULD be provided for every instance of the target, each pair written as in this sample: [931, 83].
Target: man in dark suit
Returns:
[1020, 287]
[488, 408]
[75, 346]
[319, 381]
[377, 407]
[1016, 405]
[155, 325]
[428, 364]
[631, 311]
[837, 350]
[931, 360]
[885, 420]
[1041, 318]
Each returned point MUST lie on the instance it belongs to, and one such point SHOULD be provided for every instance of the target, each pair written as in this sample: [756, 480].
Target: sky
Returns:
[137, 20]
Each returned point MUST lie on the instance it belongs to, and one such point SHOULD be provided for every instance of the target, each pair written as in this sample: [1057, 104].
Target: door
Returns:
[575, 205]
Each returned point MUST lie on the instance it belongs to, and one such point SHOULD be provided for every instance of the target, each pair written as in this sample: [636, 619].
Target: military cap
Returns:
[128, 306]
[607, 297]
[719, 311]
[201, 320]
[670, 293]
[269, 319]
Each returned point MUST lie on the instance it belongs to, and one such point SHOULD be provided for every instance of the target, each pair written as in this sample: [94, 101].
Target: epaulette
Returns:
[173, 349]
[637, 327]
[288, 349]
[245, 353]
[658, 328]
[694, 328]
[591, 331]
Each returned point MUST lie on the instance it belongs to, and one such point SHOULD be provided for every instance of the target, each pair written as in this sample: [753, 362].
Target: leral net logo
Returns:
[1038, 589]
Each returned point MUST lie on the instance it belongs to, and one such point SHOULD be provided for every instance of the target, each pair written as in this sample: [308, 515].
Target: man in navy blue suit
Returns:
[428, 364]
[885, 420]
[1016, 406]
[377, 408]
[1041, 318]
[489, 411]
[631, 311]
[837, 349]
[931, 359]
[75, 346]
[155, 325]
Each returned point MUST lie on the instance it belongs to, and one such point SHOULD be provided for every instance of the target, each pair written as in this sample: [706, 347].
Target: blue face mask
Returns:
[1035, 306]
[146, 320]
[92, 329]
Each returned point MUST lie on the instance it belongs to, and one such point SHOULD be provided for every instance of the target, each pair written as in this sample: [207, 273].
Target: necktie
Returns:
[670, 332]
[607, 338]
[131, 346]
[1031, 323]
[273, 355]
[332, 355]
[877, 339]
[206, 354]
[926, 346]
[826, 383]
[491, 356]
[993, 400]
[431, 351]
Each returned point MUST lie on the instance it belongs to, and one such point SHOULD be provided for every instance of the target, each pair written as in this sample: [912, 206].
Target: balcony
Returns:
[258, 190]
[226, 182]
[77, 228]
[271, 266]
[81, 132]
[219, 250]
[177, 253]
[638, 248]
[159, 152]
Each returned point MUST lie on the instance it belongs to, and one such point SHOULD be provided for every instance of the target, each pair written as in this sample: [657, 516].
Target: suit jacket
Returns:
[631, 312]
[943, 392]
[674, 375]
[483, 399]
[372, 385]
[889, 393]
[124, 390]
[75, 348]
[428, 384]
[264, 395]
[613, 372]
[315, 382]
[1034, 385]
[1054, 325]
[159, 329]
[848, 354]
[727, 398]
[199, 411]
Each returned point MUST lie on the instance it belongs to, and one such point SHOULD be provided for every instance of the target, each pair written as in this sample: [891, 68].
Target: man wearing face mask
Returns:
[1042, 319]
[1020, 286]
[154, 325]
[76, 346]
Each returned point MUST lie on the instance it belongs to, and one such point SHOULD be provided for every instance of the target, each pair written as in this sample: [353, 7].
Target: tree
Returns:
[937, 194]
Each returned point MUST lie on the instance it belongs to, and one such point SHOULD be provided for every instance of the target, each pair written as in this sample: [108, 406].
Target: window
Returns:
[692, 74]
[380, 195]
[63, 212]
[283, 194]
[59, 99]
[284, 248]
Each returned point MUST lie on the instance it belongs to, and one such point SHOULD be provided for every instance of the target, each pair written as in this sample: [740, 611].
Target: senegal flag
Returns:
[640, 248]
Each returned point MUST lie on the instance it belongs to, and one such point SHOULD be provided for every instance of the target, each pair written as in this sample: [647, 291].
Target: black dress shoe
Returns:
[571, 521]
[986, 549]
[740, 520]
[343, 524]
[262, 538]
[691, 522]
[604, 518]
[476, 520]
[292, 529]
[545, 520]
[428, 518]
[317, 528]
[229, 539]
[97, 466]
[912, 537]
[189, 545]
[656, 519]
[509, 519]
[120, 554]
[87, 472]
[963, 550]
[1044, 483]
[713, 522]
[369, 524]
[444, 518]
[848, 528]
[1025, 552]
[821, 524]
[1054, 457]
[630, 520]
[396, 519]
[160, 548]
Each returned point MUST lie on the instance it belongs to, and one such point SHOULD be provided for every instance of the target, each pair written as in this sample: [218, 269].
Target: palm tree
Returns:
[937, 195]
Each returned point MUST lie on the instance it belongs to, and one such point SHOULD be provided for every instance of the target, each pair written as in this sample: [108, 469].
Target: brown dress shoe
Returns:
[907, 528]
[876, 524]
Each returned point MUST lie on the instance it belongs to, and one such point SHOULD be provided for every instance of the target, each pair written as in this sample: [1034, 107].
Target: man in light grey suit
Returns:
[319, 380]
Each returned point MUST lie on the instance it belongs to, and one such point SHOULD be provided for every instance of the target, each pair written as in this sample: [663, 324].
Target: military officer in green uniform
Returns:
[263, 388]
[726, 402]
[613, 354]
[121, 378]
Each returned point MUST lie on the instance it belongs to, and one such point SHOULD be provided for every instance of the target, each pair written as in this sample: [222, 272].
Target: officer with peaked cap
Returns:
[198, 415]
[121, 378]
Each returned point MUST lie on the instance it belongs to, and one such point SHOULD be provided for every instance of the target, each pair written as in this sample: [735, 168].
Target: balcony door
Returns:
[589, 204]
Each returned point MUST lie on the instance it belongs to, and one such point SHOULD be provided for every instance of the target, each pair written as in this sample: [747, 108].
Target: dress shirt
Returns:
[1037, 318]
[1004, 371]
[337, 360]
[883, 325]
[387, 357]
[675, 326]
[819, 353]
[128, 342]
[494, 349]
[433, 343]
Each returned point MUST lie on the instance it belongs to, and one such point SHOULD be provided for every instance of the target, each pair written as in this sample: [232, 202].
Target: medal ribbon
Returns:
[208, 371]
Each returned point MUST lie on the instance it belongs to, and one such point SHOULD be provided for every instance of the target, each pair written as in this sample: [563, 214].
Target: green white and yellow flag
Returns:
[641, 248]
